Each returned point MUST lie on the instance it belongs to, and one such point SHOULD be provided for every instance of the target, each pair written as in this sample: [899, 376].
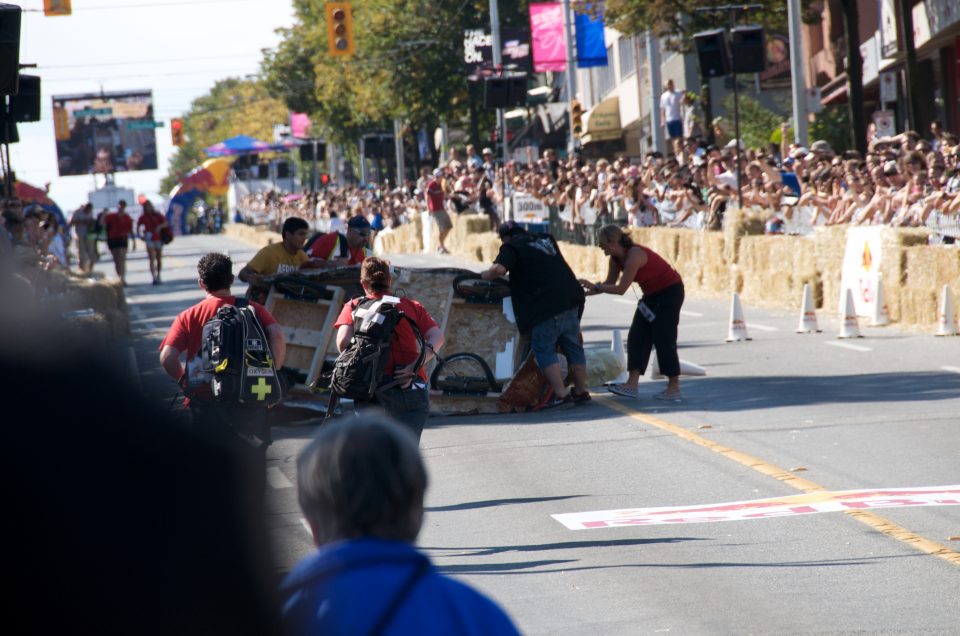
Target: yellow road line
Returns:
[875, 521]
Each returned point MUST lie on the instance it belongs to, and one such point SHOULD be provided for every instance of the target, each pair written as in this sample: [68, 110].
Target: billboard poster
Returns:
[478, 52]
[103, 133]
[546, 34]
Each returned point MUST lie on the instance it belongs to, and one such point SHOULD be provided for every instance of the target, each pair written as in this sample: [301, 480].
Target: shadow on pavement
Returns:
[498, 502]
[565, 545]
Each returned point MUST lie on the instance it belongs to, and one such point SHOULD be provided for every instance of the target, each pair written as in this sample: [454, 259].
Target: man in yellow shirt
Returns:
[277, 258]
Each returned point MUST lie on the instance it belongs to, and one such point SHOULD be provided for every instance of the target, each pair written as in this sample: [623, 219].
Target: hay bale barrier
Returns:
[765, 270]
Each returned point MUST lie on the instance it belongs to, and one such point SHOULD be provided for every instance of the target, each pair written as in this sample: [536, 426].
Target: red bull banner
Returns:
[546, 36]
[213, 177]
[809, 503]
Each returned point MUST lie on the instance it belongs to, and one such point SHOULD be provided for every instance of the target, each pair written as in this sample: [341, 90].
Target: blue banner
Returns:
[591, 48]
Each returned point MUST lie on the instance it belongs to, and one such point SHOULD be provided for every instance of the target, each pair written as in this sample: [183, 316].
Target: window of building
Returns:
[606, 78]
[628, 58]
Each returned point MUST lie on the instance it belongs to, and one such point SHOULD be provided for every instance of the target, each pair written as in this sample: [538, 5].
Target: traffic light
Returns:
[176, 132]
[340, 28]
[56, 7]
[576, 114]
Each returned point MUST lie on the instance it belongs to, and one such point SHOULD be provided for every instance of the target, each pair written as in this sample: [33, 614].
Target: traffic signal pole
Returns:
[498, 65]
[571, 74]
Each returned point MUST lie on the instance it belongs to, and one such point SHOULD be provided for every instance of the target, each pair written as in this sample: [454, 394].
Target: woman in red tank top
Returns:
[658, 312]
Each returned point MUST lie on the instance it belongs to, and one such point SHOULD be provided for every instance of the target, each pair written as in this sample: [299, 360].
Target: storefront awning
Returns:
[602, 122]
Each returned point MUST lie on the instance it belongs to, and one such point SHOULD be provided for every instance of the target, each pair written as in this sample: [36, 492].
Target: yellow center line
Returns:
[875, 521]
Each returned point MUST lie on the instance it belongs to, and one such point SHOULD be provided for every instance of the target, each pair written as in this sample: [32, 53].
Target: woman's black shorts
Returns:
[117, 244]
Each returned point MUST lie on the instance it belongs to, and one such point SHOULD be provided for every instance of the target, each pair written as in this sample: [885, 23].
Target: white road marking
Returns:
[306, 526]
[683, 312]
[847, 345]
[951, 369]
[752, 325]
[277, 479]
[693, 314]
[625, 301]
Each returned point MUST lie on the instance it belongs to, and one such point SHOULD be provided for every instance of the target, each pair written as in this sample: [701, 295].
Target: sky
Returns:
[176, 48]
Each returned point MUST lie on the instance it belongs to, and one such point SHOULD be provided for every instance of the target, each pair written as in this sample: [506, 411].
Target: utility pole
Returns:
[398, 151]
[498, 65]
[905, 34]
[653, 59]
[732, 10]
[571, 74]
[801, 130]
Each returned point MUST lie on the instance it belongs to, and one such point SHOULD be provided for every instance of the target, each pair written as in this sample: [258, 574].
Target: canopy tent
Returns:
[32, 195]
[212, 176]
[244, 145]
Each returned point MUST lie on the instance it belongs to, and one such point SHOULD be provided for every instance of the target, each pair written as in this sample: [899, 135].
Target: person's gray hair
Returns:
[362, 477]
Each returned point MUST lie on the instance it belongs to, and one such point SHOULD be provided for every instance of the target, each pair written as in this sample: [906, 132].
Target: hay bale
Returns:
[931, 266]
[918, 307]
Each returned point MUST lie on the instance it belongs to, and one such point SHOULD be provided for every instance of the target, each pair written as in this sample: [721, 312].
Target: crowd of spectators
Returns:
[900, 181]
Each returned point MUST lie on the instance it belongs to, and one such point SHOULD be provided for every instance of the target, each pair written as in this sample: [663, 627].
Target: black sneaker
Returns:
[580, 398]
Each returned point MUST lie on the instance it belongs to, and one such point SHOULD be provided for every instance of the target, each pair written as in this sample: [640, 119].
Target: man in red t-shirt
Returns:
[184, 337]
[119, 227]
[435, 206]
[337, 250]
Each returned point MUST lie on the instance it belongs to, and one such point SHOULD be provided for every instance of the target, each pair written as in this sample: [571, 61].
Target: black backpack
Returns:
[360, 368]
[236, 354]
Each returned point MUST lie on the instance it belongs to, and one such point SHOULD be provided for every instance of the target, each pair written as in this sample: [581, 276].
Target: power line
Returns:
[145, 5]
[145, 76]
[171, 59]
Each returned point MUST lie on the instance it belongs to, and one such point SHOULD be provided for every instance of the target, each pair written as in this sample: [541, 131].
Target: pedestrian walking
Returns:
[150, 227]
[658, 311]
[361, 486]
[119, 228]
[405, 398]
[82, 224]
[548, 301]
[243, 426]
[436, 206]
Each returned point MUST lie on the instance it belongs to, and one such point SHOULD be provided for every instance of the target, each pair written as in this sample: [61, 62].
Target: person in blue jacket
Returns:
[361, 483]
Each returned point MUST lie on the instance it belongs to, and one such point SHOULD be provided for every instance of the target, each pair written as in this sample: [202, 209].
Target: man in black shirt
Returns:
[548, 302]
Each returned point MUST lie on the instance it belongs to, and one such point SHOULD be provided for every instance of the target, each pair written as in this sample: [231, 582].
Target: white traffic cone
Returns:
[849, 327]
[617, 347]
[686, 368]
[948, 322]
[881, 316]
[808, 314]
[738, 328]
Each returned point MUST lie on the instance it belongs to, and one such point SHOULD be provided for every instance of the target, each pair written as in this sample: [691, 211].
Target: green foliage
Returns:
[758, 125]
[832, 124]
[232, 107]
[408, 65]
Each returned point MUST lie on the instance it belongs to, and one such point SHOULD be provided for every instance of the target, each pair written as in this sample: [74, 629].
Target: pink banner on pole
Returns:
[300, 125]
[546, 34]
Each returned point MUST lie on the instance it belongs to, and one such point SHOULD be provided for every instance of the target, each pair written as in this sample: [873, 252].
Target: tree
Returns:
[757, 124]
[232, 107]
[408, 65]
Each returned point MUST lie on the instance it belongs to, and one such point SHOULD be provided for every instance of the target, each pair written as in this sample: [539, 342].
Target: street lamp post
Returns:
[732, 11]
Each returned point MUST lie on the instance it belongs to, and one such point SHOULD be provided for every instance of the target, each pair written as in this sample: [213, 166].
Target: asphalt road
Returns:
[780, 415]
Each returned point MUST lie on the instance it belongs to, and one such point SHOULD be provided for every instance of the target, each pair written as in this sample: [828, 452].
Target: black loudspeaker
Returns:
[712, 53]
[496, 92]
[263, 171]
[306, 152]
[283, 170]
[25, 105]
[9, 48]
[8, 132]
[748, 50]
[517, 90]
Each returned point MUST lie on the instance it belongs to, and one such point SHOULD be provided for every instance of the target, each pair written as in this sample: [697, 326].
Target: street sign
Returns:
[888, 87]
[883, 120]
[93, 112]
[143, 124]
